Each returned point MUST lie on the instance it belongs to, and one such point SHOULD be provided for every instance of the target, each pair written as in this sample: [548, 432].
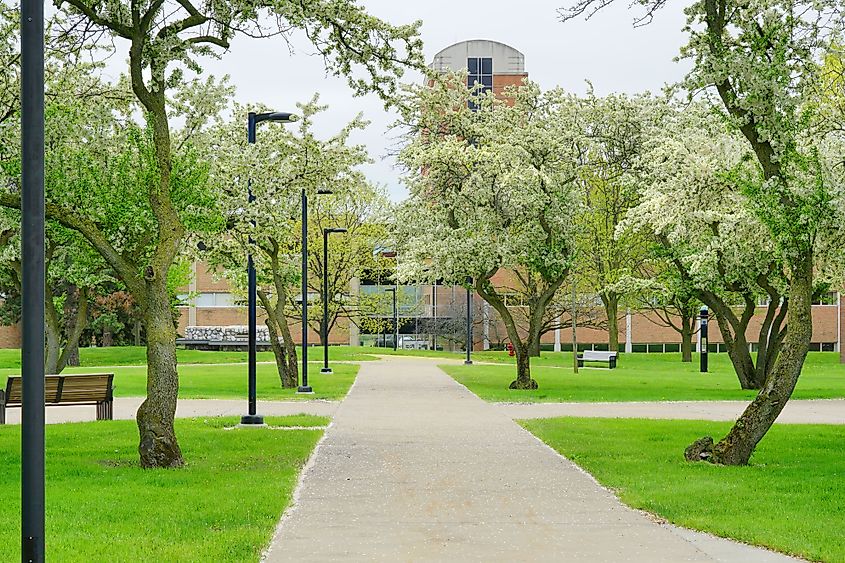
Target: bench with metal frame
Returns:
[66, 390]
[598, 356]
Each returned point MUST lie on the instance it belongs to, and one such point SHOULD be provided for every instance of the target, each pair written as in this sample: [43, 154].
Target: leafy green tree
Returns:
[269, 227]
[759, 63]
[361, 208]
[163, 39]
[494, 187]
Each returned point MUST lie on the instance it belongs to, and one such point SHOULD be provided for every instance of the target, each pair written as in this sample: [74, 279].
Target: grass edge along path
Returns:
[643, 377]
[10, 358]
[101, 506]
[789, 499]
[230, 382]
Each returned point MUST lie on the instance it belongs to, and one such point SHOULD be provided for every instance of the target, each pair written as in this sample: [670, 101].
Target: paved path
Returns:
[417, 468]
[820, 411]
[126, 407]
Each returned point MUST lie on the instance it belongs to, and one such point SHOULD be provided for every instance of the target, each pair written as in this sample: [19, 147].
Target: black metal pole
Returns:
[703, 345]
[395, 322]
[468, 361]
[304, 388]
[33, 272]
[252, 417]
[325, 323]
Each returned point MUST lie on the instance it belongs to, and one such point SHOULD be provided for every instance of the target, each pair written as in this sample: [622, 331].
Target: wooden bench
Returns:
[83, 389]
[596, 356]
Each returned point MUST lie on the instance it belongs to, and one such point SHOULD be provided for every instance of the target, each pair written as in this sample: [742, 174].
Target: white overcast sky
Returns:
[607, 50]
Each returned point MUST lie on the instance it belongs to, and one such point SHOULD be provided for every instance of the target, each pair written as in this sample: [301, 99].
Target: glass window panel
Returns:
[472, 65]
[224, 300]
[487, 81]
[486, 65]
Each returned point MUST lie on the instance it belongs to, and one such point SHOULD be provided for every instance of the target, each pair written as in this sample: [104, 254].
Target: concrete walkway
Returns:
[816, 411]
[417, 468]
[126, 407]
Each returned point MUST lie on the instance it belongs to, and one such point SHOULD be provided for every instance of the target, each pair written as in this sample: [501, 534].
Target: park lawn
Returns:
[644, 377]
[789, 499]
[136, 356]
[227, 381]
[101, 506]
[489, 356]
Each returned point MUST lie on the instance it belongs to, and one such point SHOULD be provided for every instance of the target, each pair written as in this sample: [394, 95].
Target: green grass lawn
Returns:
[642, 377]
[136, 355]
[790, 498]
[226, 381]
[101, 506]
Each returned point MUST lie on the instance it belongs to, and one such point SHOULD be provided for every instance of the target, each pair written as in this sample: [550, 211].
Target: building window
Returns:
[215, 300]
[479, 72]
[829, 298]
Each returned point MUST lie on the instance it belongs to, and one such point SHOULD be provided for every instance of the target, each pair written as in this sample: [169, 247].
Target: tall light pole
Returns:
[32, 249]
[325, 323]
[395, 318]
[253, 119]
[703, 348]
[305, 388]
[468, 361]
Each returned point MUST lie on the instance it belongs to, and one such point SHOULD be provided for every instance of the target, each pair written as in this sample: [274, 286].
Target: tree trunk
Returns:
[158, 446]
[733, 330]
[278, 353]
[73, 360]
[686, 340]
[534, 351]
[53, 340]
[284, 349]
[523, 368]
[137, 332]
[736, 448]
[523, 363]
[76, 319]
[611, 308]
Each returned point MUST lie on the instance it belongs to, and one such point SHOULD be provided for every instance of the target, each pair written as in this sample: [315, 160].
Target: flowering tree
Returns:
[494, 187]
[361, 209]
[758, 61]
[693, 208]
[164, 38]
[268, 227]
[605, 255]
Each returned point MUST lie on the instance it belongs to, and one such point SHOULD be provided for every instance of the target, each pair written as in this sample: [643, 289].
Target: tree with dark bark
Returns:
[269, 226]
[164, 38]
[494, 195]
[665, 300]
[361, 208]
[759, 61]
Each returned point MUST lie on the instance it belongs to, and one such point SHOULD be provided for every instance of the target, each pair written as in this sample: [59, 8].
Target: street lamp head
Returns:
[391, 289]
[335, 230]
[274, 116]
[324, 192]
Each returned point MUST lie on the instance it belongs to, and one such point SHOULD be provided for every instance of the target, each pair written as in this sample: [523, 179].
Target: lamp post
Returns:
[468, 361]
[32, 250]
[703, 345]
[253, 119]
[325, 323]
[395, 318]
[305, 388]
